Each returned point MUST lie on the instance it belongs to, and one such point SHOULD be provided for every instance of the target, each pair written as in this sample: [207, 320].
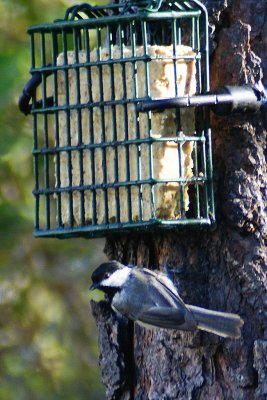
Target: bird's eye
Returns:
[106, 276]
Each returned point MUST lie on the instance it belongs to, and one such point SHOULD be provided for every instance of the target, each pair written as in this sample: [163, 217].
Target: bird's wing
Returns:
[162, 278]
[153, 303]
[166, 287]
[166, 317]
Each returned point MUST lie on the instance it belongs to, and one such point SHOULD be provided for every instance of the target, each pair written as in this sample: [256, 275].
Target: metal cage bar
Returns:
[97, 166]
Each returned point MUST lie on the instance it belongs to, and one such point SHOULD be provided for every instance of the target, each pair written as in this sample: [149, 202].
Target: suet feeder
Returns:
[121, 139]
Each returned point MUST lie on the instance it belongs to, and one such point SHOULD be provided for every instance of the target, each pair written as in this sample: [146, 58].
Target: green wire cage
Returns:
[103, 162]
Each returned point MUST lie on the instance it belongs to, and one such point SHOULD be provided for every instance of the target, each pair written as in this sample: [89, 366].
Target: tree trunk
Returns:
[222, 269]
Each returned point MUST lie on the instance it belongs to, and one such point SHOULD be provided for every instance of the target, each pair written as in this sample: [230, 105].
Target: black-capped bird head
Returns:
[109, 277]
[152, 300]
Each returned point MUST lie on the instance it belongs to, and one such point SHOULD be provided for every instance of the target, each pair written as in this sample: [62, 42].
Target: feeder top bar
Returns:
[85, 14]
[131, 6]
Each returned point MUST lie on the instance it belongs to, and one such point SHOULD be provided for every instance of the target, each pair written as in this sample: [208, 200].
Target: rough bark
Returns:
[223, 269]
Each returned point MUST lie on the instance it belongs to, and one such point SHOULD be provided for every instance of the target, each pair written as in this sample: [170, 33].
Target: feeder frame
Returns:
[132, 23]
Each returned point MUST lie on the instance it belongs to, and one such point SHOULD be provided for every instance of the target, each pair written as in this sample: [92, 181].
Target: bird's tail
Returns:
[220, 323]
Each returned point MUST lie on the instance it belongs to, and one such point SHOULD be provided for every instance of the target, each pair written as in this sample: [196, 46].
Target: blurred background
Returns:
[48, 338]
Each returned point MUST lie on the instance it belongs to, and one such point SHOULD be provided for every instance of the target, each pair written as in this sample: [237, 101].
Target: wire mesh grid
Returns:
[100, 165]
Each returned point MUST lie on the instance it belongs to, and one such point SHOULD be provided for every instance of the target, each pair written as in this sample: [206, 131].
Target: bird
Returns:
[151, 300]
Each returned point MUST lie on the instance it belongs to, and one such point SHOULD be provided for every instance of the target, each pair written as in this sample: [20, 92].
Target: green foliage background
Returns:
[48, 340]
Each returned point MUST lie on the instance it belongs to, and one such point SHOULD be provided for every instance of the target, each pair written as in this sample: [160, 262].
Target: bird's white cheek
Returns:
[117, 279]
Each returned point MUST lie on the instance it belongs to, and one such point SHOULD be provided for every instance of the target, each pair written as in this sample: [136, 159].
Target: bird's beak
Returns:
[93, 286]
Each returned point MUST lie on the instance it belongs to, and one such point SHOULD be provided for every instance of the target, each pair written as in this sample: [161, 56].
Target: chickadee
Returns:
[151, 299]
